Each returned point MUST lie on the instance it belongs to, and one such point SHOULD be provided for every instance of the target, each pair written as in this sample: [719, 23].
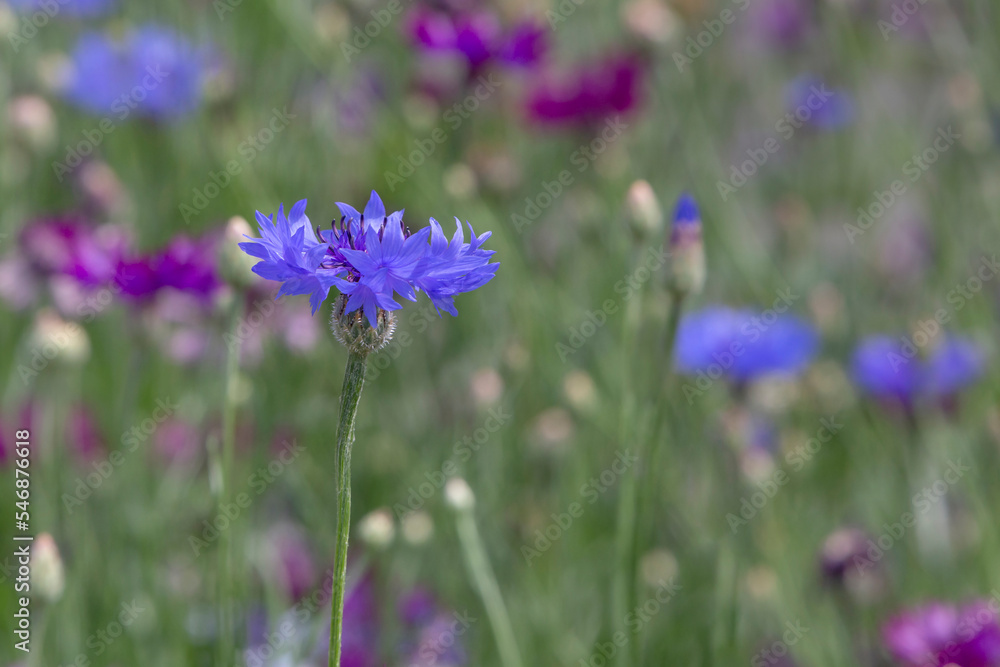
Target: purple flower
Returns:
[153, 72]
[293, 566]
[589, 94]
[360, 632]
[177, 442]
[417, 607]
[83, 434]
[842, 551]
[188, 265]
[69, 246]
[780, 22]
[742, 344]
[889, 370]
[370, 257]
[943, 634]
[436, 644]
[810, 101]
[476, 36]
[74, 8]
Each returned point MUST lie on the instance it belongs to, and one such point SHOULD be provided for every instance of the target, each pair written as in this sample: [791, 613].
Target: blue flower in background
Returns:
[369, 256]
[153, 72]
[73, 8]
[810, 101]
[889, 369]
[742, 344]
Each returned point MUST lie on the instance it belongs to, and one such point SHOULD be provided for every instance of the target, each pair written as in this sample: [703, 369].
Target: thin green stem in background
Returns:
[486, 582]
[354, 381]
[627, 541]
[226, 602]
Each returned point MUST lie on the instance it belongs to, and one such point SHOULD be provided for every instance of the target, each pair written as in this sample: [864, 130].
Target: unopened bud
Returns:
[47, 575]
[458, 494]
[54, 338]
[355, 333]
[643, 208]
[235, 264]
[651, 19]
[376, 529]
[418, 527]
[32, 120]
[686, 250]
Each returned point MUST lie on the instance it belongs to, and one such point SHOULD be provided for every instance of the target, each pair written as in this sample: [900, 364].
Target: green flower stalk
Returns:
[360, 339]
[687, 277]
[462, 500]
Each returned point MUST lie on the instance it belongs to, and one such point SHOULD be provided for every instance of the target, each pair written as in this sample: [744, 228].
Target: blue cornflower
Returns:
[742, 344]
[810, 101]
[370, 257]
[74, 8]
[686, 248]
[153, 72]
[890, 370]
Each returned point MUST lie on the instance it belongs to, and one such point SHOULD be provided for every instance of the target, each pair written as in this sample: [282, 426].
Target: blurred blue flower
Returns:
[742, 344]
[810, 101]
[153, 72]
[889, 369]
[74, 8]
[369, 256]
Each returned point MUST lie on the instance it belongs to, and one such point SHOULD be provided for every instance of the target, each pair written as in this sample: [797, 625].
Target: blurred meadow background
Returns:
[823, 495]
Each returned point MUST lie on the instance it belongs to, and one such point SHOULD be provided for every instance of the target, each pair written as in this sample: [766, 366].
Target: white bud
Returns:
[47, 575]
[418, 527]
[458, 494]
[376, 529]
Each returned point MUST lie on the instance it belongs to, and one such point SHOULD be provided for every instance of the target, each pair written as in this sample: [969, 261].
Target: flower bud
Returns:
[54, 338]
[47, 575]
[234, 264]
[355, 333]
[32, 119]
[643, 209]
[686, 250]
[418, 527]
[376, 529]
[459, 495]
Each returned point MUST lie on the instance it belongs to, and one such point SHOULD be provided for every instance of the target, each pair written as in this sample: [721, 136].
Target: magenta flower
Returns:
[477, 37]
[588, 94]
[941, 634]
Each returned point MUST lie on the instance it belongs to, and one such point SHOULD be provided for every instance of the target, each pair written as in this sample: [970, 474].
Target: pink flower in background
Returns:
[476, 36]
[588, 94]
[83, 435]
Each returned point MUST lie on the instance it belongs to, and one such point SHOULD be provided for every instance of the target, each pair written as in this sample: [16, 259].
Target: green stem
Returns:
[486, 582]
[226, 573]
[354, 381]
[627, 542]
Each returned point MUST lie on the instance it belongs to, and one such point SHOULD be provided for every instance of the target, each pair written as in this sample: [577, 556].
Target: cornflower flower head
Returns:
[371, 258]
[743, 345]
[154, 72]
[891, 371]
[67, 8]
